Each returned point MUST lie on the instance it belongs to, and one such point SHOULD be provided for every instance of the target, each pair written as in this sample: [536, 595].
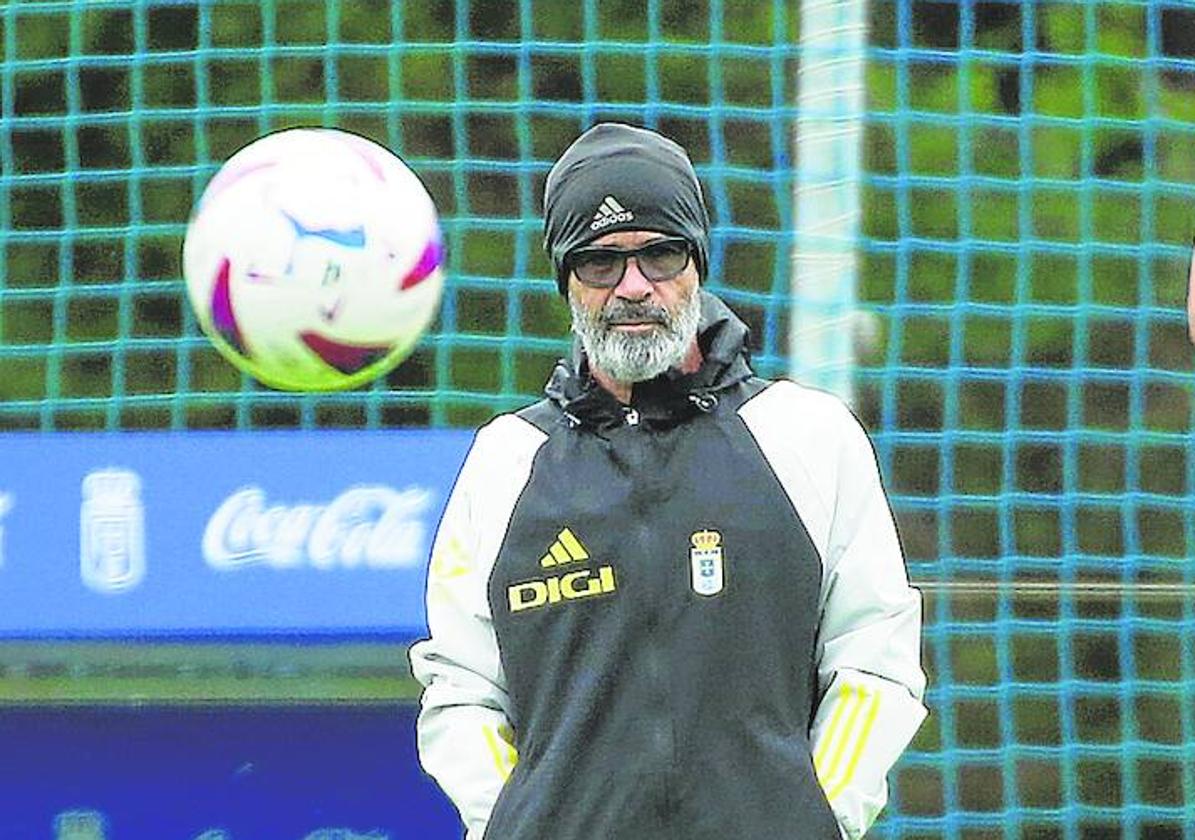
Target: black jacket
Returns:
[655, 601]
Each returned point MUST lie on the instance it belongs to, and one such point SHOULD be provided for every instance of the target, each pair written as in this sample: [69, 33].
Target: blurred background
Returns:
[1002, 239]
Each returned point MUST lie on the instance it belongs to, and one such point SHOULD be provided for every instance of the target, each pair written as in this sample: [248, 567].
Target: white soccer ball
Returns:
[312, 260]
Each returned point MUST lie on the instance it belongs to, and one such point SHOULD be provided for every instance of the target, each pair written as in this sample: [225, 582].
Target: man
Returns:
[668, 601]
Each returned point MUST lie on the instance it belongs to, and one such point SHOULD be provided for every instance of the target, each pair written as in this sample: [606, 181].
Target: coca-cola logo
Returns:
[370, 526]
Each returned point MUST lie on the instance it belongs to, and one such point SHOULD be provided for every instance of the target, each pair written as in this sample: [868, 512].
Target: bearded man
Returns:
[668, 600]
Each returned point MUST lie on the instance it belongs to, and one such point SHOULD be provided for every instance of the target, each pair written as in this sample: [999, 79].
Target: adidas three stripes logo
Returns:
[566, 549]
[610, 212]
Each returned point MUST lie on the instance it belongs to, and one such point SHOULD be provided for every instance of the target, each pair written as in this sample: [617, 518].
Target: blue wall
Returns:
[237, 773]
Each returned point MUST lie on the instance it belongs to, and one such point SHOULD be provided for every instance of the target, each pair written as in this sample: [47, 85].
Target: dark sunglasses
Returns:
[602, 267]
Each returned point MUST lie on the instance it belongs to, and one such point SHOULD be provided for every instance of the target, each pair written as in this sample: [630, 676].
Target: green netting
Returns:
[1026, 230]
[118, 114]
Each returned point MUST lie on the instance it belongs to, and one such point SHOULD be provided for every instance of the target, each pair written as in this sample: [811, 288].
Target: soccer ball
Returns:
[312, 260]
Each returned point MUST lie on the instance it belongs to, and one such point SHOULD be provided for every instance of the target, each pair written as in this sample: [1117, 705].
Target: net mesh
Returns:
[1021, 358]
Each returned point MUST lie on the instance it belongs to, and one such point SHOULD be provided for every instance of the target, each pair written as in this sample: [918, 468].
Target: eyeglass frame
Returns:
[626, 254]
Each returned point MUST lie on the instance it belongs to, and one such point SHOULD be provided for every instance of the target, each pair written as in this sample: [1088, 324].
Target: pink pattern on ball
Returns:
[429, 261]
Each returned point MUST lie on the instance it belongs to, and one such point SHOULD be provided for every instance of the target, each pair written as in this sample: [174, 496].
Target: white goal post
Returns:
[826, 193]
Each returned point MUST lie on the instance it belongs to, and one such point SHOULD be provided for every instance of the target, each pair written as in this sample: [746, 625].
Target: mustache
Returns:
[626, 312]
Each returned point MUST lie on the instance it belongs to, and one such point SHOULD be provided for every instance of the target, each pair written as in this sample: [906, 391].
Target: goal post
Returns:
[827, 182]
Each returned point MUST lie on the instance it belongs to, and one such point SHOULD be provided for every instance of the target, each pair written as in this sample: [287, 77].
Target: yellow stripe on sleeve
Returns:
[819, 759]
[859, 746]
[859, 696]
[502, 751]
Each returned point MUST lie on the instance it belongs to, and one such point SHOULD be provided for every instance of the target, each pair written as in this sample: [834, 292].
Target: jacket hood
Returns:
[669, 398]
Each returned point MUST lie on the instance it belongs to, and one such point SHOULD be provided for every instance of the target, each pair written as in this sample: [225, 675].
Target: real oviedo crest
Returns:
[112, 531]
[706, 566]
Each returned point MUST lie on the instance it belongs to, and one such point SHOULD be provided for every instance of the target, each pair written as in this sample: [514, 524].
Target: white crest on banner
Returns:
[80, 825]
[7, 500]
[368, 525]
[112, 531]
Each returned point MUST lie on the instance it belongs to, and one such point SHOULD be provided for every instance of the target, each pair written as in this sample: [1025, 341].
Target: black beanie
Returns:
[619, 177]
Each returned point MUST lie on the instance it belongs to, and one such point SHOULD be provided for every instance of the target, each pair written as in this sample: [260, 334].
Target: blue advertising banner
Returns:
[220, 533]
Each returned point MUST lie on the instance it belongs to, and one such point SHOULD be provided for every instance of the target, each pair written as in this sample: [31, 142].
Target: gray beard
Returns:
[630, 357]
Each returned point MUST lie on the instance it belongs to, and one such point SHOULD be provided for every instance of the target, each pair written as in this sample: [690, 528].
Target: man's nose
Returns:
[633, 284]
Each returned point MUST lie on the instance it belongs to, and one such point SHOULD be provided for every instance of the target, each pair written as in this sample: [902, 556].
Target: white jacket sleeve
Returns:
[869, 663]
[464, 736]
[868, 653]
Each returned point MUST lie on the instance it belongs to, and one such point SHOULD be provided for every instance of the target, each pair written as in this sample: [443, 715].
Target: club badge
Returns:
[705, 562]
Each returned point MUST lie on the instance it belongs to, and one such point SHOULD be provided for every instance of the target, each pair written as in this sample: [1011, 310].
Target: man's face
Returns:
[636, 329]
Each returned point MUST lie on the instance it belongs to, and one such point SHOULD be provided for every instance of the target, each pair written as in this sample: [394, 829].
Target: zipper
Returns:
[630, 416]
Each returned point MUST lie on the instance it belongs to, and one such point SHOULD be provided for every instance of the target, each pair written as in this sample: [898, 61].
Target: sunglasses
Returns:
[602, 267]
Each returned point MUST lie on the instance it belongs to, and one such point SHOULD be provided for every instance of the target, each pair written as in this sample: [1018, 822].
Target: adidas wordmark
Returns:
[610, 212]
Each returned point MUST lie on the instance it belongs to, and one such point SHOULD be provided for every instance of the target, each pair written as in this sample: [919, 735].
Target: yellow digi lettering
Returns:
[525, 596]
[568, 587]
[572, 586]
[606, 576]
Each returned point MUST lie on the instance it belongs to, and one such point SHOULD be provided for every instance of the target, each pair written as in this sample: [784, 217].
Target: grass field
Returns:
[142, 673]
